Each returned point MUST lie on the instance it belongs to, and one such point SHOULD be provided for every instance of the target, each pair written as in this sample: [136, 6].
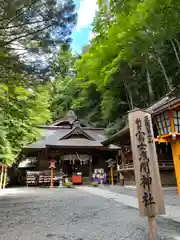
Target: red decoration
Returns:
[77, 179]
[52, 164]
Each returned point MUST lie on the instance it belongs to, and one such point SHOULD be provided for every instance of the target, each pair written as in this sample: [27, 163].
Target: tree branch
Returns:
[19, 12]
[25, 35]
[21, 25]
[164, 72]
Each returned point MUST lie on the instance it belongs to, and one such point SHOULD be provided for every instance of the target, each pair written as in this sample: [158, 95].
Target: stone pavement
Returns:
[12, 191]
[74, 214]
[170, 194]
[128, 197]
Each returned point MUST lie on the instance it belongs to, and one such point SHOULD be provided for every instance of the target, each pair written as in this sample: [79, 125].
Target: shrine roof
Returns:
[79, 142]
[57, 136]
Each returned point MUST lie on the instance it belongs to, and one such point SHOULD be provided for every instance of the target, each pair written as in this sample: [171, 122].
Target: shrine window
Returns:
[163, 123]
[176, 117]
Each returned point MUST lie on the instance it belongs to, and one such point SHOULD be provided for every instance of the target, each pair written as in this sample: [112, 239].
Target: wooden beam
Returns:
[171, 121]
[90, 170]
[112, 176]
[4, 165]
[160, 140]
[175, 145]
[2, 174]
[52, 175]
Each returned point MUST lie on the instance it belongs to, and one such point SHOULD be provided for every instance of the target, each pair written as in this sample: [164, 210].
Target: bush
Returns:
[95, 184]
[68, 185]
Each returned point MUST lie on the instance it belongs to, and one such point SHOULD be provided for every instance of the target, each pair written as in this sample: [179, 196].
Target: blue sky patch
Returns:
[82, 33]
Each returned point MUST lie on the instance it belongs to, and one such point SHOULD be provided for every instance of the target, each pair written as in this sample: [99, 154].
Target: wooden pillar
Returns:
[38, 160]
[176, 158]
[52, 175]
[123, 158]
[90, 170]
[112, 176]
[1, 180]
[5, 177]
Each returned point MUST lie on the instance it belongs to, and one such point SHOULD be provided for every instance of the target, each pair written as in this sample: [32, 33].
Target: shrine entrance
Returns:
[85, 163]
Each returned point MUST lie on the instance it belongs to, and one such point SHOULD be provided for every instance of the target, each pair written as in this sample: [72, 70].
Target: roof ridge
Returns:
[73, 129]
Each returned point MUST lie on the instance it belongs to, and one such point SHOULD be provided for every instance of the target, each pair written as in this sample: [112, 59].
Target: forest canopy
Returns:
[132, 61]
[31, 31]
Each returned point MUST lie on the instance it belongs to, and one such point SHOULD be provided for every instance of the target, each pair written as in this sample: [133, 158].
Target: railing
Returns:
[162, 166]
[125, 167]
[166, 165]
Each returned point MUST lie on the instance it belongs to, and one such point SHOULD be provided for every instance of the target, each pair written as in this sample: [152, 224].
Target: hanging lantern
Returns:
[52, 164]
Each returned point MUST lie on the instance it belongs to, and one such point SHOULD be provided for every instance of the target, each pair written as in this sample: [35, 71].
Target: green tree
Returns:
[132, 61]
[23, 110]
[30, 32]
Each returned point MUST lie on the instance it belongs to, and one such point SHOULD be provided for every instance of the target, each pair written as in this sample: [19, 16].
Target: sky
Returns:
[83, 31]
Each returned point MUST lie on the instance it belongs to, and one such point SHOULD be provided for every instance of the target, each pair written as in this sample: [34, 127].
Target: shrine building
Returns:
[76, 148]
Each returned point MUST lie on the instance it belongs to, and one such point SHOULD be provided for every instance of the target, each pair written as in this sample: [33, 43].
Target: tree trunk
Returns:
[165, 75]
[149, 83]
[128, 94]
[175, 51]
[177, 42]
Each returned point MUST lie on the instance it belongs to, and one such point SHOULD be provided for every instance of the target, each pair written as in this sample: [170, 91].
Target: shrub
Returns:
[68, 185]
[95, 184]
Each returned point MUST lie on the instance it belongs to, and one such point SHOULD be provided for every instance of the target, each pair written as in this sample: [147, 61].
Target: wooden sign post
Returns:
[52, 166]
[111, 163]
[148, 183]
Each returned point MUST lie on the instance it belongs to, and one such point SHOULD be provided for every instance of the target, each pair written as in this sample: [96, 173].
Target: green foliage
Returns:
[132, 61]
[30, 32]
[63, 88]
[6, 154]
[95, 184]
[68, 185]
[23, 109]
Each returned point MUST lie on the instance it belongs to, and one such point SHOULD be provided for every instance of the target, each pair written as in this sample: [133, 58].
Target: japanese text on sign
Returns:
[146, 179]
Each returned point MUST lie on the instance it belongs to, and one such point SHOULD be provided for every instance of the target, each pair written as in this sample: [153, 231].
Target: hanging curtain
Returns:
[83, 158]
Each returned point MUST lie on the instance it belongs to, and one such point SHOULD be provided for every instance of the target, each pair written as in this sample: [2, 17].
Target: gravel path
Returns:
[71, 214]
